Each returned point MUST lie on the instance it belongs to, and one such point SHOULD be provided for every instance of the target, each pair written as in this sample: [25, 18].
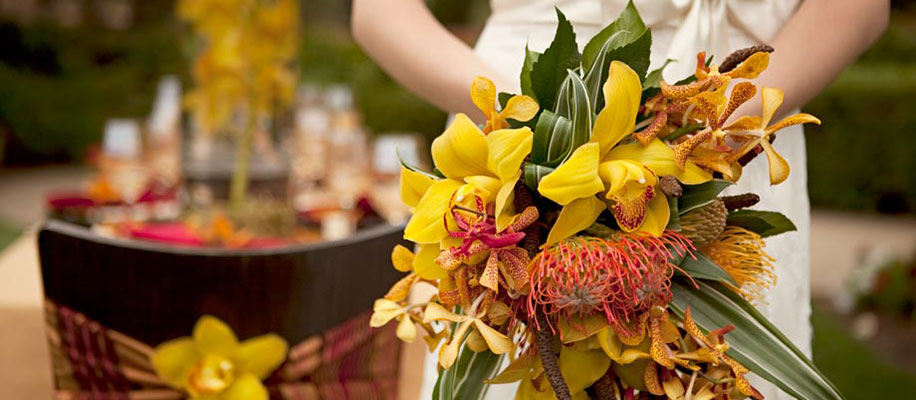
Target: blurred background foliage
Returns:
[61, 78]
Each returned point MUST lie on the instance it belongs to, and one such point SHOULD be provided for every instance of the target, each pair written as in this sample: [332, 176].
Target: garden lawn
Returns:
[7, 235]
[855, 370]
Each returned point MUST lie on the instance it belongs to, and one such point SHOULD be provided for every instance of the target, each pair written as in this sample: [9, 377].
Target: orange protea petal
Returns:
[685, 148]
[741, 93]
[401, 289]
[645, 136]
[793, 120]
[651, 380]
[751, 67]
[490, 276]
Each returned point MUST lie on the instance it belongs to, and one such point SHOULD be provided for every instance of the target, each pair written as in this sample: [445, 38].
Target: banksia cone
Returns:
[704, 224]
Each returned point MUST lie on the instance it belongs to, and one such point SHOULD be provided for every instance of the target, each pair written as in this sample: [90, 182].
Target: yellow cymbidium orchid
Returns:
[626, 173]
[474, 165]
[757, 129]
[519, 107]
[212, 364]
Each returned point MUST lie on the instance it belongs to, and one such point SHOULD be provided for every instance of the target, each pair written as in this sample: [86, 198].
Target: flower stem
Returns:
[549, 359]
[239, 186]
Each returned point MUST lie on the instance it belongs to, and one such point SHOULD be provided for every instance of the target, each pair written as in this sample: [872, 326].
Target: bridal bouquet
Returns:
[581, 233]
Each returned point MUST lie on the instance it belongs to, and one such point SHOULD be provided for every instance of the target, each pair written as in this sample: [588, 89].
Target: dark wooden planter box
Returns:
[154, 292]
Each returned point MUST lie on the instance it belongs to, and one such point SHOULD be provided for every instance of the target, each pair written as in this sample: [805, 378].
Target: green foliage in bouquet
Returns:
[582, 233]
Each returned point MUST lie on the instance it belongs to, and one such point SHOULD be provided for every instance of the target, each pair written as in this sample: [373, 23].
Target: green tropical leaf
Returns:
[674, 220]
[549, 70]
[573, 103]
[531, 57]
[629, 23]
[534, 173]
[701, 267]
[465, 379]
[765, 223]
[634, 53]
[696, 196]
[654, 78]
[595, 78]
[755, 342]
[552, 139]
[436, 174]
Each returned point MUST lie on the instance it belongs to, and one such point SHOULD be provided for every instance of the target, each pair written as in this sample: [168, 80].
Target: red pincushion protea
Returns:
[621, 277]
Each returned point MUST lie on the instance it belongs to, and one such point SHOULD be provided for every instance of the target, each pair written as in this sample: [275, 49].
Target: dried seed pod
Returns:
[740, 201]
[670, 186]
[704, 224]
[738, 56]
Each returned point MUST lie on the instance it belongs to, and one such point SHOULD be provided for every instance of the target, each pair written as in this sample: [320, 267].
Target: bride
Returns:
[814, 41]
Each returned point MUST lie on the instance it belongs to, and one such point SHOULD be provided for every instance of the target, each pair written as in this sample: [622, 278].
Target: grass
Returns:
[7, 235]
[855, 370]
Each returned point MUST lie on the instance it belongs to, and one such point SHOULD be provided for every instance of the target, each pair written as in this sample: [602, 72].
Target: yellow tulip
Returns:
[474, 165]
[627, 174]
[212, 364]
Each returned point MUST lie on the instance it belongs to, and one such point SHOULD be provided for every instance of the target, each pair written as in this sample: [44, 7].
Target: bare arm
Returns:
[417, 51]
[818, 42]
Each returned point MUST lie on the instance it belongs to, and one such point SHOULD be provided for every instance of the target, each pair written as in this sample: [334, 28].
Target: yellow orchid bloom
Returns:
[384, 310]
[474, 165]
[212, 364]
[520, 107]
[758, 130]
[626, 173]
[496, 341]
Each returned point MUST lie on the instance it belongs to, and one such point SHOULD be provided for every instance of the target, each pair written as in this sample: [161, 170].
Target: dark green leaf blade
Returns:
[755, 342]
[549, 70]
[629, 23]
[702, 267]
[696, 196]
[531, 57]
[765, 223]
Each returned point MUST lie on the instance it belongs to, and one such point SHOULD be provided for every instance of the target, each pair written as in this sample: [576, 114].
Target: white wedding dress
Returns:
[680, 29]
